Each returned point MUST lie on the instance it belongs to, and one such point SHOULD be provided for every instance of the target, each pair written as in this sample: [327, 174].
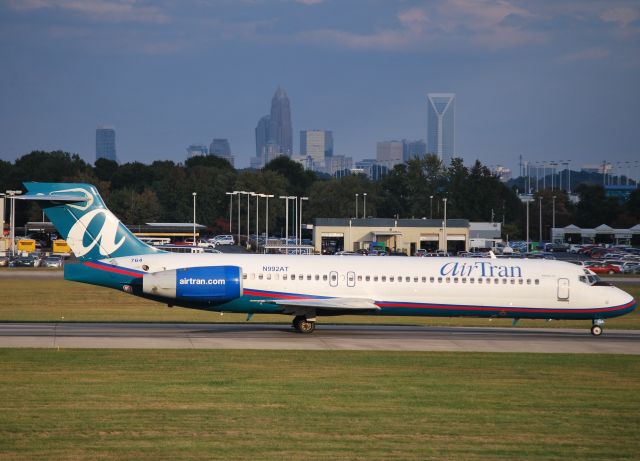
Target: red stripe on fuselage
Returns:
[113, 269]
[504, 309]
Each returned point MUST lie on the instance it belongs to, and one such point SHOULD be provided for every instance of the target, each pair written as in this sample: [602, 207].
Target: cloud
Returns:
[102, 10]
[624, 19]
[588, 54]
[482, 23]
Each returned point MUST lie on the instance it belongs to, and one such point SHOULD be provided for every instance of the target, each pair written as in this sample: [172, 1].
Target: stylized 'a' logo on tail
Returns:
[82, 219]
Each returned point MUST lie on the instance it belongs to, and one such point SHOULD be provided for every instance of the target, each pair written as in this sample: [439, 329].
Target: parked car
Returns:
[603, 268]
[25, 261]
[4, 261]
[223, 240]
[52, 261]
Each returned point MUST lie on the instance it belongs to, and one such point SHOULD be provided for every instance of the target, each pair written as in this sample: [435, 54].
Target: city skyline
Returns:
[532, 77]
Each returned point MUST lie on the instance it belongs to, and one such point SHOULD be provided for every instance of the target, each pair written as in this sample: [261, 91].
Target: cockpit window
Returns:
[589, 279]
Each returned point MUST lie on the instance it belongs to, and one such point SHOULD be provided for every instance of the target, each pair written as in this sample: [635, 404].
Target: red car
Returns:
[601, 268]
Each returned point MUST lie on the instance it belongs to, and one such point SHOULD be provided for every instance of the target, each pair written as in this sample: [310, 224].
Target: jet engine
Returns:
[209, 283]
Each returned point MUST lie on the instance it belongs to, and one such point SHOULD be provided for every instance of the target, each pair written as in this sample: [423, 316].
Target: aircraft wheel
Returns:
[596, 330]
[302, 325]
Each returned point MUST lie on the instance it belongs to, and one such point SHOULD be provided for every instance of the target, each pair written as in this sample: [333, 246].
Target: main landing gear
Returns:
[302, 325]
[597, 327]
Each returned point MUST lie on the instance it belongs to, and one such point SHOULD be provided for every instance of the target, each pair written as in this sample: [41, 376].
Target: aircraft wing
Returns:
[346, 304]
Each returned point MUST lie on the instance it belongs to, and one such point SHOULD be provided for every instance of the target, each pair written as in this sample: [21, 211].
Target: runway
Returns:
[326, 337]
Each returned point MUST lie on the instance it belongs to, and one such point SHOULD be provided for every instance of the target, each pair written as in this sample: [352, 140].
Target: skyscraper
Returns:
[262, 135]
[316, 144]
[413, 149]
[220, 147]
[389, 153]
[196, 149]
[280, 130]
[106, 143]
[441, 125]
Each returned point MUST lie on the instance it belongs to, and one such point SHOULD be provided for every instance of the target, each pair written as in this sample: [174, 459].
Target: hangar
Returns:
[331, 235]
[601, 234]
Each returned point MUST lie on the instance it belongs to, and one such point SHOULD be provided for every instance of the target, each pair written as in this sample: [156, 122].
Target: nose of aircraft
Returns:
[623, 298]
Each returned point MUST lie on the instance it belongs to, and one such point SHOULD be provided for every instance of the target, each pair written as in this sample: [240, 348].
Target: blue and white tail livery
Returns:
[82, 219]
[307, 287]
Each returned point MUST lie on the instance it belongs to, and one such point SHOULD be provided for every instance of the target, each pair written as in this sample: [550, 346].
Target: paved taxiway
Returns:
[326, 337]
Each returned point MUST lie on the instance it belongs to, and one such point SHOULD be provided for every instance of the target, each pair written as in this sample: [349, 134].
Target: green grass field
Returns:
[301, 405]
[46, 299]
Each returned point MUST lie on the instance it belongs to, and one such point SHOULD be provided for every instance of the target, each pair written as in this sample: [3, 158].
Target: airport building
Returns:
[602, 234]
[331, 235]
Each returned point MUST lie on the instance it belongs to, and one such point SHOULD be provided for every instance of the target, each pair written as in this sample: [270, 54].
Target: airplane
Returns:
[308, 287]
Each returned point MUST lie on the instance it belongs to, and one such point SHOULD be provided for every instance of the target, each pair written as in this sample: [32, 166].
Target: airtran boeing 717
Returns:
[307, 287]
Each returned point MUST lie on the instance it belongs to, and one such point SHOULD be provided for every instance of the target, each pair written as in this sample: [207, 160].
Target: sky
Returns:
[545, 79]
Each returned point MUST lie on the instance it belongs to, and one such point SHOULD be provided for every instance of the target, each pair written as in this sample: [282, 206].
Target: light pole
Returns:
[364, 213]
[431, 207]
[248, 218]
[194, 218]
[444, 225]
[527, 202]
[357, 206]
[301, 199]
[540, 223]
[266, 226]
[3, 204]
[231, 194]
[12, 223]
[553, 215]
[286, 218]
[239, 192]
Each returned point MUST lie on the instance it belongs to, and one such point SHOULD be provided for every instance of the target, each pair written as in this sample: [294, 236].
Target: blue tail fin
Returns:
[82, 219]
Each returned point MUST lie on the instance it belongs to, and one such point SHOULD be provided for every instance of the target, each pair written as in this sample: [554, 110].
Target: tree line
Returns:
[162, 192]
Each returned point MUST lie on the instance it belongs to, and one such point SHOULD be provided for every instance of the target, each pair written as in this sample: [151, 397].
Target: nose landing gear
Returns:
[597, 327]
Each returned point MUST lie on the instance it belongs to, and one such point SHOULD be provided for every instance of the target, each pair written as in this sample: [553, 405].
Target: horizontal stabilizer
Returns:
[54, 198]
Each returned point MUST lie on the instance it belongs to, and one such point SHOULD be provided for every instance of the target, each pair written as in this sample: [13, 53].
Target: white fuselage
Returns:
[396, 282]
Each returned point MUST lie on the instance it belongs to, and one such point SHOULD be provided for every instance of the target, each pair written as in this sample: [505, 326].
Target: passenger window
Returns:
[431, 279]
[464, 280]
[284, 276]
[391, 278]
[407, 279]
[480, 281]
[308, 276]
[471, 280]
[317, 277]
[244, 276]
[504, 281]
[268, 276]
[383, 278]
[528, 281]
[424, 280]
[367, 278]
[513, 282]
[439, 279]
[359, 278]
[537, 282]
[455, 280]
[260, 276]
[325, 278]
[415, 279]
[375, 278]
[520, 281]
[448, 279]
[334, 277]
[496, 281]
[293, 276]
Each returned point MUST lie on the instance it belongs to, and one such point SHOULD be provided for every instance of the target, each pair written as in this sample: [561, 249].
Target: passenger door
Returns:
[563, 289]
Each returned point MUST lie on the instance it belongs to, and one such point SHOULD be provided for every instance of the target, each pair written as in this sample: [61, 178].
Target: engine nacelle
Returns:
[209, 283]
